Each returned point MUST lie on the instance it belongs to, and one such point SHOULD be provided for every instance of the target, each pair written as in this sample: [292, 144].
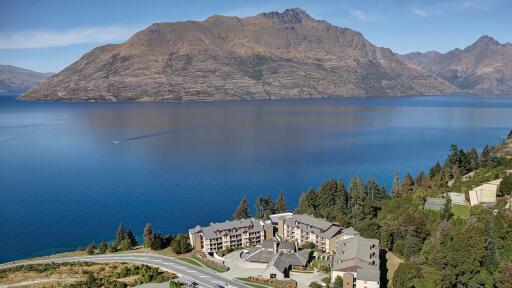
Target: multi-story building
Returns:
[219, 236]
[304, 228]
[485, 194]
[356, 261]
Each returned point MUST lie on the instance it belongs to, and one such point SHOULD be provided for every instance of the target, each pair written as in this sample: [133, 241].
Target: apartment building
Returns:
[304, 228]
[356, 261]
[219, 236]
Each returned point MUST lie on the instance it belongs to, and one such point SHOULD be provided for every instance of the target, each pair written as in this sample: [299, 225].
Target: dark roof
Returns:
[278, 262]
[286, 245]
[260, 256]
[267, 244]
[309, 223]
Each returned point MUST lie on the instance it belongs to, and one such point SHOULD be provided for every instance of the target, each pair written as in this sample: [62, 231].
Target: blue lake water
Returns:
[63, 183]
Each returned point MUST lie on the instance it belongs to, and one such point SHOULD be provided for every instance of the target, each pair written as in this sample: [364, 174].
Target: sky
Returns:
[49, 35]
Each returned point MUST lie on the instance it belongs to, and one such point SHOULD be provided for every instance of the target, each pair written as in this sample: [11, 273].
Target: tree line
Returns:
[125, 240]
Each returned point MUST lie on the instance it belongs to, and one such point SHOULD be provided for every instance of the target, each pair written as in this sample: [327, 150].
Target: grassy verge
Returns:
[201, 263]
[461, 211]
[253, 283]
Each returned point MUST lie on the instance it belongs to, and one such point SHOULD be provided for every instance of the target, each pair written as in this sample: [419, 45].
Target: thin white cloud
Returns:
[419, 12]
[55, 38]
[358, 14]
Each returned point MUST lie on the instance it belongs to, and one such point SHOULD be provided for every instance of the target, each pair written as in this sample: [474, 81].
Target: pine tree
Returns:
[149, 236]
[407, 185]
[268, 207]
[395, 189]
[90, 248]
[121, 233]
[341, 198]
[102, 248]
[307, 202]
[357, 204]
[435, 170]
[260, 212]
[131, 238]
[280, 204]
[373, 190]
[509, 136]
[242, 212]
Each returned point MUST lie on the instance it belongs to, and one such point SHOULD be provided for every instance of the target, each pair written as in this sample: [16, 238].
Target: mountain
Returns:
[269, 56]
[485, 67]
[17, 80]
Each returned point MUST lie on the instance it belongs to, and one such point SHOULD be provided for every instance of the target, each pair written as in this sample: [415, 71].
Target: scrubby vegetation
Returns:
[85, 274]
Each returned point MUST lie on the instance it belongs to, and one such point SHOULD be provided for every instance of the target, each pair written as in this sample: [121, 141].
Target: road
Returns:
[202, 276]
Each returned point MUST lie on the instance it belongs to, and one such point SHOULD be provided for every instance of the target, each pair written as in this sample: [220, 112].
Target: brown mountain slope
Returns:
[268, 56]
[17, 80]
[485, 67]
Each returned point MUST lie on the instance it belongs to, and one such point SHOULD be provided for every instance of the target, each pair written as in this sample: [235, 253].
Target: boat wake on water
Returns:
[151, 135]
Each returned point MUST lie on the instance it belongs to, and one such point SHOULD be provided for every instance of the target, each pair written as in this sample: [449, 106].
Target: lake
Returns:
[71, 172]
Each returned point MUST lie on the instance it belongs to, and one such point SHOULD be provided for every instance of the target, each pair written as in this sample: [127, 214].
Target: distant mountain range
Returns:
[485, 67]
[17, 80]
[268, 56]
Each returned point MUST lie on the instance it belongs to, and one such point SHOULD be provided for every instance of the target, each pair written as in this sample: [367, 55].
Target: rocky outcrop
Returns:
[18, 80]
[485, 67]
[269, 56]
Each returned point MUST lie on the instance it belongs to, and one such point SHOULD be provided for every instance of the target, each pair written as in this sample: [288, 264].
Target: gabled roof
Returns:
[260, 256]
[278, 262]
[286, 245]
[318, 226]
[216, 230]
[358, 254]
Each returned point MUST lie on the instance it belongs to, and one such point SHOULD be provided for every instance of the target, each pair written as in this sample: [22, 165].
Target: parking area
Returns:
[239, 268]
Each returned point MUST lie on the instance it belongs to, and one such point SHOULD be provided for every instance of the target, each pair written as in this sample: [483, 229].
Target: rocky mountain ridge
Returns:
[17, 80]
[485, 67]
[269, 56]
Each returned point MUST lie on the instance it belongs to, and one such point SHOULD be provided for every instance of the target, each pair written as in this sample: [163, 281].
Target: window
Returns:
[273, 276]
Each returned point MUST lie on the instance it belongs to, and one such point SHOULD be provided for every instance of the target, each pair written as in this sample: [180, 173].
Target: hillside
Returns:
[485, 67]
[268, 56]
[17, 80]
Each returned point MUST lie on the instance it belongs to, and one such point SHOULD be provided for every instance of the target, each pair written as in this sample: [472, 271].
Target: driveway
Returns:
[203, 277]
[239, 268]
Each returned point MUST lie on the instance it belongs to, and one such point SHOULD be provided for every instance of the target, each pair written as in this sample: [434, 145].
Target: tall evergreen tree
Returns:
[435, 170]
[307, 202]
[280, 204]
[341, 198]
[149, 236]
[509, 136]
[131, 238]
[373, 190]
[407, 185]
[395, 189]
[357, 204]
[268, 207]
[242, 212]
[259, 207]
[121, 233]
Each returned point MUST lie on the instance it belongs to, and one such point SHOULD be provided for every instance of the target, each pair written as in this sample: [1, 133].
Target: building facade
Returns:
[229, 234]
[485, 194]
[304, 228]
[356, 261]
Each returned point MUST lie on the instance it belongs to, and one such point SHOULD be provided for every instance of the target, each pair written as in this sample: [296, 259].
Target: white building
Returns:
[304, 228]
[219, 236]
[357, 262]
[484, 194]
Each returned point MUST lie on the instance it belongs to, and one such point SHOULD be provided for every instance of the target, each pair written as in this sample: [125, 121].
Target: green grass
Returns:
[461, 211]
[201, 263]
[253, 283]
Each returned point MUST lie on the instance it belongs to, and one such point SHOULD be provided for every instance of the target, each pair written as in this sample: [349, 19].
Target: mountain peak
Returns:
[486, 40]
[288, 16]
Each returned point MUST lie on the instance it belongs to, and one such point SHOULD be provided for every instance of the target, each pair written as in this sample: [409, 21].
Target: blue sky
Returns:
[49, 35]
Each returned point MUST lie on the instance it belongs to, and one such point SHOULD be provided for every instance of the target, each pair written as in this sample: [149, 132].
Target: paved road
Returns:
[202, 276]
